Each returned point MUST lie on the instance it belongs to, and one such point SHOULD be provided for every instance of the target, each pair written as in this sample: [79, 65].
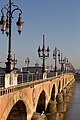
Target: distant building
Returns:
[32, 69]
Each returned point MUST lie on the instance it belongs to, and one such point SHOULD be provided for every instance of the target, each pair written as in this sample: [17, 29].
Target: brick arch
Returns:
[18, 111]
[53, 91]
[59, 86]
[41, 102]
[47, 96]
[63, 83]
[12, 101]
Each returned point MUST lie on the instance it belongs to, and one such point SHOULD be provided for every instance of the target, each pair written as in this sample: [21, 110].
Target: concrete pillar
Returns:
[10, 79]
[59, 98]
[51, 108]
[56, 74]
[62, 107]
[64, 92]
[15, 75]
[38, 116]
[7, 80]
[52, 117]
[67, 89]
[44, 75]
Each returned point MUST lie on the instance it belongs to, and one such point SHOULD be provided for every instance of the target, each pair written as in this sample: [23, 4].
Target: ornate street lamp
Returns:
[70, 67]
[27, 62]
[61, 61]
[5, 25]
[36, 65]
[14, 61]
[55, 53]
[43, 54]
[66, 63]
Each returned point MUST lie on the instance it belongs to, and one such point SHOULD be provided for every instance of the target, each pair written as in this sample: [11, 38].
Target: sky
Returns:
[58, 20]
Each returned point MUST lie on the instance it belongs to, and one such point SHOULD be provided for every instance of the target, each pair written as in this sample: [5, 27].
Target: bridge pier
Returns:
[59, 98]
[51, 108]
[10, 79]
[37, 116]
[64, 92]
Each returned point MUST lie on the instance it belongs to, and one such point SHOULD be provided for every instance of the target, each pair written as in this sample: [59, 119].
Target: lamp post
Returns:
[61, 61]
[43, 54]
[55, 53]
[70, 67]
[27, 61]
[66, 63]
[14, 61]
[36, 64]
[6, 23]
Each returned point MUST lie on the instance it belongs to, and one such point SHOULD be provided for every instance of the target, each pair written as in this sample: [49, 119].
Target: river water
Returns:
[70, 109]
[74, 109]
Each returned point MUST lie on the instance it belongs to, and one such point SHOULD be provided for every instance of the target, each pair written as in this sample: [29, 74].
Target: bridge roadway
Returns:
[21, 101]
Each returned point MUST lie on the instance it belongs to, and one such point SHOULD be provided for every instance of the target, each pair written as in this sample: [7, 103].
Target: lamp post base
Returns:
[44, 75]
[8, 67]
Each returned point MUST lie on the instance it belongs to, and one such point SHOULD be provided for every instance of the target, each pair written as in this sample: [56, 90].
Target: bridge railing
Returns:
[2, 77]
[27, 77]
[24, 85]
[21, 86]
[23, 77]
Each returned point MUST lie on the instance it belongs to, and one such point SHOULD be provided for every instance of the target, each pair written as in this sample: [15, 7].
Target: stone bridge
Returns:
[20, 102]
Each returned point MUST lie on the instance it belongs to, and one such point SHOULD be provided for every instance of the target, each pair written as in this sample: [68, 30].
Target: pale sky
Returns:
[58, 20]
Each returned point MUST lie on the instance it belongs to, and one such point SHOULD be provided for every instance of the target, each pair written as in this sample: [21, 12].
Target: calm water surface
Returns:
[74, 109]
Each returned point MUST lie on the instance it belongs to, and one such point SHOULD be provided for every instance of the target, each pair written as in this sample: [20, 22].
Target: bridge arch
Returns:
[41, 102]
[63, 84]
[18, 111]
[59, 86]
[14, 100]
[53, 92]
